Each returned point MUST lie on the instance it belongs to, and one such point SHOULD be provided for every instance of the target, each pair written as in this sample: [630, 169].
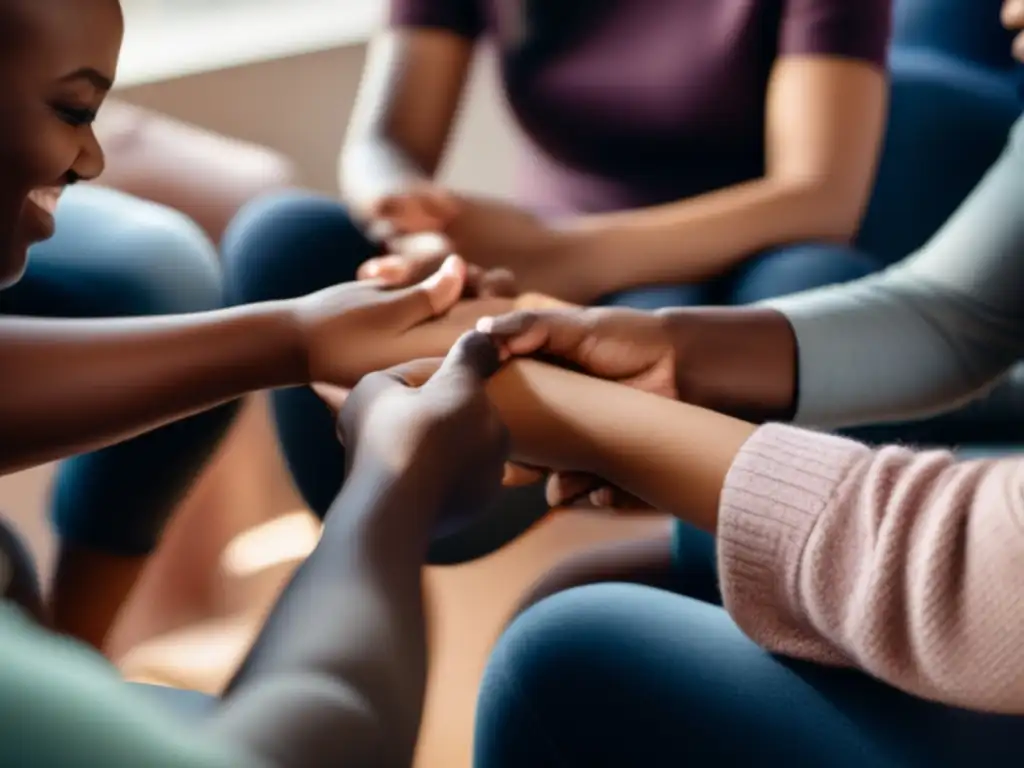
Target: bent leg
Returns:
[281, 247]
[795, 268]
[654, 297]
[618, 675]
[641, 561]
[117, 256]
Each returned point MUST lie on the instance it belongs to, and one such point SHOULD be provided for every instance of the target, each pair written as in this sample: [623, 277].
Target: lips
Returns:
[38, 213]
[46, 198]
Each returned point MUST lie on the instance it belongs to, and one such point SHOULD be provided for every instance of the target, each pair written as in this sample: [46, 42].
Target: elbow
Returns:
[826, 211]
[353, 173]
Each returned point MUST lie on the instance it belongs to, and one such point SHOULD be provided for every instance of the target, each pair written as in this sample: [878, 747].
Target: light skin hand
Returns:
[630, 347]
[1013, 19]
[424, 208]
[498, 236]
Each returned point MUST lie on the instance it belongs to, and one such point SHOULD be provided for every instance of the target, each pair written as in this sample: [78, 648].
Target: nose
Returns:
[90, 161]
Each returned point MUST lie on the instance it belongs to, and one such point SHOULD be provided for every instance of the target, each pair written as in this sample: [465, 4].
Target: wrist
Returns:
[281, 325]
[742, 362]
[417, 469]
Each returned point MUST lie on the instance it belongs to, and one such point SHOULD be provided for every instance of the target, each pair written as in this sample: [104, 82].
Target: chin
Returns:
[13, 267]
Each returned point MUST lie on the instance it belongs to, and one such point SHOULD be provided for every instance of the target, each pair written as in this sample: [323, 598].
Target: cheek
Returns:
[36, 148]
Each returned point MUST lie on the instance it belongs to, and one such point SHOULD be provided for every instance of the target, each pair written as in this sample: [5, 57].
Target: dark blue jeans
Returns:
[117, 256]
[287, 245]
[622, 675]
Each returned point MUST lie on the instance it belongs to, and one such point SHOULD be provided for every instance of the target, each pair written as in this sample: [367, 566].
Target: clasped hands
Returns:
[631, 348]
[419, 226]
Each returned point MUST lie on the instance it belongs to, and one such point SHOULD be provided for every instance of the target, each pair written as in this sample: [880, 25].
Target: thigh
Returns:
[641, 561]
[650, 298]
[279, 247]
[624, 675]
[289, 244]
[117, 255]
[795, 268]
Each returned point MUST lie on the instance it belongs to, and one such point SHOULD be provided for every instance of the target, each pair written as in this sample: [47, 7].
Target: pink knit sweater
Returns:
[908, 565]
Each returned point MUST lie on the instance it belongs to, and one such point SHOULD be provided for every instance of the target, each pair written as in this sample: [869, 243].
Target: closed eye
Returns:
[75, 116]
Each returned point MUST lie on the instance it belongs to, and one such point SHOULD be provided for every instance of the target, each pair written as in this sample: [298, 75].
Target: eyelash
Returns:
[76, 117]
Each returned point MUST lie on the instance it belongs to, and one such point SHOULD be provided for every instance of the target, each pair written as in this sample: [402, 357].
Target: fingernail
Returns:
[448, 268]
[485, 324]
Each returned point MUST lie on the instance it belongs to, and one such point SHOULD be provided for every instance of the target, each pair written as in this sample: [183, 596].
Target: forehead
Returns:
[66, 35]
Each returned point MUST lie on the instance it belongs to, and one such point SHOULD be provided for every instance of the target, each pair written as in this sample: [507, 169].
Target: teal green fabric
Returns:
[64, 705]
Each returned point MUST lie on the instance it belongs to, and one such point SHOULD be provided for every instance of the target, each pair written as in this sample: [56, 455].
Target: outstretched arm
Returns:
[899, 562]
[74, 385]
[337, 675]
[934, 330]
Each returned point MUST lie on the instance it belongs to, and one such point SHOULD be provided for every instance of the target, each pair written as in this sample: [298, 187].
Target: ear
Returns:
[333, 397]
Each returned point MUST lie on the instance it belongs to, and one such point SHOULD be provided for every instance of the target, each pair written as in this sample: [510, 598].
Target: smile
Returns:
[46, 198]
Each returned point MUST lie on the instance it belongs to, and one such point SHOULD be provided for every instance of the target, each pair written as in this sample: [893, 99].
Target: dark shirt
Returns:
[630, 103]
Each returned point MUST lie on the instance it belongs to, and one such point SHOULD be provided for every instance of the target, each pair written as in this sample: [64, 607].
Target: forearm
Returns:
[672, 455]
[893, 561]
[338, 672]
[74, 385]
[701, 237]
[930, 332]
[740, 361]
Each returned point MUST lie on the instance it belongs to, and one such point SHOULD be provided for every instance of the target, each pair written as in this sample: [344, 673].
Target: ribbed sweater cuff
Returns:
[779, 485]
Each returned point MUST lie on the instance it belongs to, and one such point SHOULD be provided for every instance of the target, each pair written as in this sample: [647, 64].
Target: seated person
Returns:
[75, 386]
[871, 595]
[644, 185]
[337, 675]
[924, 337]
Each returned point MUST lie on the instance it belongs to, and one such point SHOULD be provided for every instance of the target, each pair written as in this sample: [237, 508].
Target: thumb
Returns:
[392, 271]
[473, 359]
[431, 297]
[333, 396]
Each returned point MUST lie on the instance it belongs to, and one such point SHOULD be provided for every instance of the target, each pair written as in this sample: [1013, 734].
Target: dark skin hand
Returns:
[73, 386]
[736, 361]
[338, 674]
[84, 384]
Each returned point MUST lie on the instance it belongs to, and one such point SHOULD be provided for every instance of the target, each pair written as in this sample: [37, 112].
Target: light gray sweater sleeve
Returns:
[932, 331]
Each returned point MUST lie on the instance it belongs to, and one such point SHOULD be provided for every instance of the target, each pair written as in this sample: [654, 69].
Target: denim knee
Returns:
[176, 267]
[288, 244]
[654, 297]
[795, 268]
[154, 261]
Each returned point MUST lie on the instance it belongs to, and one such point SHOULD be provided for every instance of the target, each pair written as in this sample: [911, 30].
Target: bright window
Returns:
[165, 39]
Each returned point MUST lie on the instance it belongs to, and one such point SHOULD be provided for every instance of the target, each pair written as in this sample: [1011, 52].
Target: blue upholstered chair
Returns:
[955, 97]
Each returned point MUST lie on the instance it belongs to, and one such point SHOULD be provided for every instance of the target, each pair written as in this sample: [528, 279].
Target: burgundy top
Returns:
[632, 103]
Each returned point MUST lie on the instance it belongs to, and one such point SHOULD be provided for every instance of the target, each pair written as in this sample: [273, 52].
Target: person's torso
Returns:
[636, 102]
